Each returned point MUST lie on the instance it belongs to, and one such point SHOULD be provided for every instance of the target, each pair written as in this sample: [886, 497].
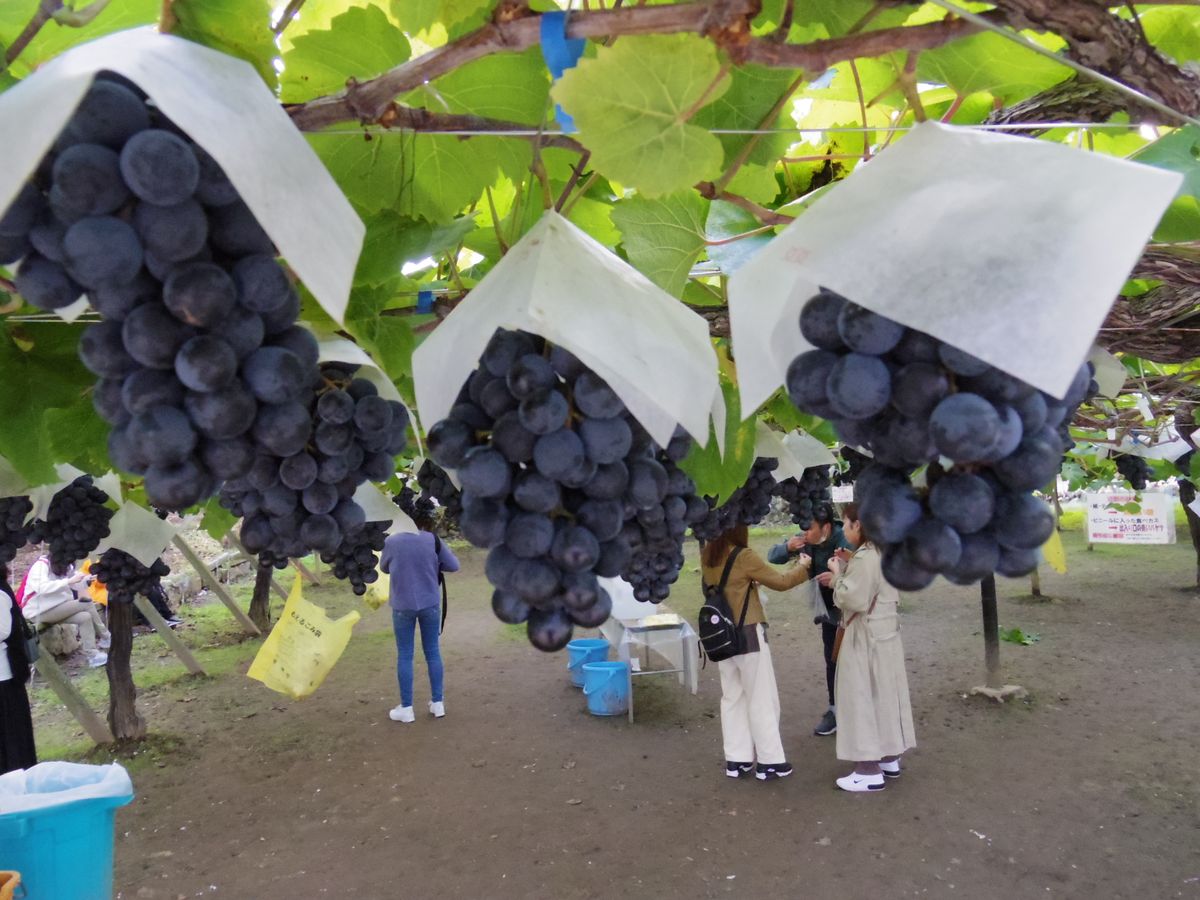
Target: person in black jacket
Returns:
[16, 722]
[820, 540]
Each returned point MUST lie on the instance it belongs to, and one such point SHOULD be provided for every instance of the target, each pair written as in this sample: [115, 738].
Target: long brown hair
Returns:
[715, 551]
[850, 514]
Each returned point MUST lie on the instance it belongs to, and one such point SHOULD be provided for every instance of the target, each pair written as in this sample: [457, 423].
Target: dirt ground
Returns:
[1088, 788]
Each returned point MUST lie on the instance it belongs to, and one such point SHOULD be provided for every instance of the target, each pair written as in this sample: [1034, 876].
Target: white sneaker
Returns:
[890, 769]
[402, 714]
[856, 783]
[437, 710]
[97, 659]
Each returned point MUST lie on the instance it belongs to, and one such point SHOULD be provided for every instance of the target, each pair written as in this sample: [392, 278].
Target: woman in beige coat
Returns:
[875, 723]
[749, 696]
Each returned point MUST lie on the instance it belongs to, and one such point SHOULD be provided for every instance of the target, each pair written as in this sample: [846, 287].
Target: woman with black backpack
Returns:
[16, 723]
[749, 697]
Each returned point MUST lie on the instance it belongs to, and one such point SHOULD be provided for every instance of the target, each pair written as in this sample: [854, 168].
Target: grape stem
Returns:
[45, 12]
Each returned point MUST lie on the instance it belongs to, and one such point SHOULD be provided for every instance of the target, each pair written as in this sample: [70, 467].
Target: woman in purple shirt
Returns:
[413, 562]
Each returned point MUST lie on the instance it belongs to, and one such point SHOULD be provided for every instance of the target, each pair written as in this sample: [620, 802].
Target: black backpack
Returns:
[721, 637]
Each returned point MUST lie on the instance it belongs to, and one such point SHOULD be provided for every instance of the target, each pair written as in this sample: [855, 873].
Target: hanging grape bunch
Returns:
[201, 366]
[436, 484]
[911, 399]
[355, 558]
[14, 533]
[125, 577]
[855, 463]
[562, 485]
[1133, 469]
[808, 498]
[416, 506]
[299, 496]
[747, 505]
[75, 523]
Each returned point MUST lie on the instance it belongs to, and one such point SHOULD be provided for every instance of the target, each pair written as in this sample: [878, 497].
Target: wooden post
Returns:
[146, 608]
[991, 631]
[1035, 583]
[213, 585]
[48, 668]
[309, 576]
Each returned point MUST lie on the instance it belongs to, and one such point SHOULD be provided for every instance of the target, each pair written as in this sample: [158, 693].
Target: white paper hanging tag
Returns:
[807, 450]
[138, 532]
[1110, 374]
[1143, 407]
[380, 508]
[769, 443]
[1008, 248]
[226, 108]
[560, 283]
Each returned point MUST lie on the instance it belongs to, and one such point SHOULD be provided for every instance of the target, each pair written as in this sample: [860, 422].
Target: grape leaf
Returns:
[360, 43]
[390, 342]
[448, 173]
[369, 172]
[53, 38]
[663, 237]
[392, 240]
[631, 104]
[241, 28]
[513, 87]
[317, 16]
[1178, 151]
[216, 520]
[753, 91]
[989, 62]
[716, 475]
[78, 435]
[726, 221]
[1173, 30]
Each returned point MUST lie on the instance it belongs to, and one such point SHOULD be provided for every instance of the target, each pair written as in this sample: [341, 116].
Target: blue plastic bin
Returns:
[581, 651]
[606, 686]
[56, 828]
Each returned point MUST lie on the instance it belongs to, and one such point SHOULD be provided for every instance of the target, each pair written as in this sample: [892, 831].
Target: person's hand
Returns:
[825, 578]
[76, 578]
[836, 564]
[804, 561]
[795, 544]
[843, 554]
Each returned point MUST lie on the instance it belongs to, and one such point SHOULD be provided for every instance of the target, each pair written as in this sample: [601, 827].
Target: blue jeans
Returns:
[404, 622]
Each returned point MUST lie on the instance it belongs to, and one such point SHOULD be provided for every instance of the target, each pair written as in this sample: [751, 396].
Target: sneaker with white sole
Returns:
[890, 769]
[97, 659]
[773, 771]
[438, 709]
[739, 769]
[856, 783]
[402, 714]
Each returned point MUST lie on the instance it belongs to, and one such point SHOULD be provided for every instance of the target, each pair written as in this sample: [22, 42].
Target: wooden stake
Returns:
[48, 668]
[146, 608]
[213, 585]
[309, 576]
[991, 631]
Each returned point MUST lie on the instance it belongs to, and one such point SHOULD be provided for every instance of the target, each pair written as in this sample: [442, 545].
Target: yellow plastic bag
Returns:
[377, 592]
[302, 648]
[1055, 555]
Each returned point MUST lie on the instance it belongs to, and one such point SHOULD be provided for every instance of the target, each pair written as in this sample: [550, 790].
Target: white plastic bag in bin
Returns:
[1009, 248]
[51, 784]
[562, 284]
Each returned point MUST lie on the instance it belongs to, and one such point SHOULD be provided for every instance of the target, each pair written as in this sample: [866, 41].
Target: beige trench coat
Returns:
[874, 716]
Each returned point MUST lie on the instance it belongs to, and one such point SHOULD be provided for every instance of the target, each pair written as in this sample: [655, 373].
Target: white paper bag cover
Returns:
[560, 283]
[225, 107]
[51, 784]
[1009, 248]
[138, 532]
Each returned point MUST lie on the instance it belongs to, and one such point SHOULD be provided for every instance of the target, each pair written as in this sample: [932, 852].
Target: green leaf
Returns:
[448, 174]
[839, 16]
[989, 62]
[392, 240]
[360, 43]
[1173, 30]
[752, 92]
[718, 476]
[241, 28]
[53, 39]
[457, 16]
[726, 222]
[78, 436]
[630, 104]
[780, 410]
[390, 342]
[1178, 151]
[663, 238]
[1017, 636]
[217, 521]
[514, 87]
[370, 172]
[1181, 222]
[595, 218]
[755, 183]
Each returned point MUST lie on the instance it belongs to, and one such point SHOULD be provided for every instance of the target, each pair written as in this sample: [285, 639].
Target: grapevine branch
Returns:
[45, 12]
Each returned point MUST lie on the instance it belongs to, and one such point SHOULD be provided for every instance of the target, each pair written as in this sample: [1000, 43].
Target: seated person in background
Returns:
[50, 600]
[819, 540]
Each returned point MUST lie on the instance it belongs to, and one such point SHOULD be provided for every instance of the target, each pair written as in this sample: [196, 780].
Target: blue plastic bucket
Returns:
[581, 651]
[606, 686]
[63, 850]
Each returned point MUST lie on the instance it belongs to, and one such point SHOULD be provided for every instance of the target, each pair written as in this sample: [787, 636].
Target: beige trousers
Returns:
[750, 707]
[82, 613]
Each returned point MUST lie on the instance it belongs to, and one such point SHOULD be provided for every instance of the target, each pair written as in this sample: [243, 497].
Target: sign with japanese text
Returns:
[1131, 518]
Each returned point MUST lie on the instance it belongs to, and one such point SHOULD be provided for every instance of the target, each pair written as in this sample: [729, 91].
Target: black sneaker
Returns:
[827, 725]
[739, 769]
[779, 770]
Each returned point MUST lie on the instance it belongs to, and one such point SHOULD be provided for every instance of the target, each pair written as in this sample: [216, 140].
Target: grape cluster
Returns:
[298, 496]
[808, 498]
[200, 362]
[748, 505]
[1183, 465]
[435, 483]
[14, 533]
[75, 523]
[562, 485]
[415, 506]
[125, 577]
[911, 400]
[855, 464]
[1133, 469]
[354, 559]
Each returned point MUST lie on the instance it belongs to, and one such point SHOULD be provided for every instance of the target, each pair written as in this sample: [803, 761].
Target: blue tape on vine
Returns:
[560, 54]
[424, 301]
